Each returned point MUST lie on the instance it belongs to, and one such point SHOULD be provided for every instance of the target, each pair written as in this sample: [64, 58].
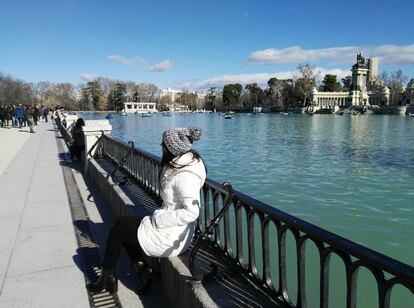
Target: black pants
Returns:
[76, 150]
[123, 234]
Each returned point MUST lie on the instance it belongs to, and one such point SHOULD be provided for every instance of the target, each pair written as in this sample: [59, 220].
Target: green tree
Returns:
[256, 93]
[210, 99]
[275, 92]
[231, 94]
[289, 95]
[117, 97]
[95, 94]
[346, 83]
[85, 102]
[409, 93]
[330, 84]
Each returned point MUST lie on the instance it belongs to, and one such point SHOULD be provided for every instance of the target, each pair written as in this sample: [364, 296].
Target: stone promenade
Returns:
[38, 247]
[37, 242]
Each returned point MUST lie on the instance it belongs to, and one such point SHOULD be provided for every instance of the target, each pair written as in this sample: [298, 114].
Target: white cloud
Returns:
[260, 78]
[388, 54]
[125, 60]
[163, 66]
[393, 54]
[88, 76]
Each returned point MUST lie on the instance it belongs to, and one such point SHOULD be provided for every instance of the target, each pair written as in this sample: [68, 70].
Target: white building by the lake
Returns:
[140, 107]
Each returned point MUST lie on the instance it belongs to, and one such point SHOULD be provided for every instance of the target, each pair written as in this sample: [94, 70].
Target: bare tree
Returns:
[395, 83]
[65, 95]
[410, 92]
[106, 85]
[14, 91]
[164, 102]
[146, 92]
[306, 82]
[131, 90]
[274, 92]
[40, 89]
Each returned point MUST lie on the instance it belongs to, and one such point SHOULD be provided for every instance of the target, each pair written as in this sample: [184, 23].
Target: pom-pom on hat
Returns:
[179, 140]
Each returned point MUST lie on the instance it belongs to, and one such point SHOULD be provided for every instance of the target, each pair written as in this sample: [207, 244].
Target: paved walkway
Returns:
[39, 255]
[37, 238]
[11, 141]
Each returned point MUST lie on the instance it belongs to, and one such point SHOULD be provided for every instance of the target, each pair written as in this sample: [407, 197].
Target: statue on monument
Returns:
[360, 59]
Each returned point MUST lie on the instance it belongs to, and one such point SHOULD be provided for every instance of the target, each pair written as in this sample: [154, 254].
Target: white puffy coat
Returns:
[175, 221]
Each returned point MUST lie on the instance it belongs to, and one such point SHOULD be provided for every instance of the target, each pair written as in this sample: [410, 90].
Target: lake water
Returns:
[352, 175]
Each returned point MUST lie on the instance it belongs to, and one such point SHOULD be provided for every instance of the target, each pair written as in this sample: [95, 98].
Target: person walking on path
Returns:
[19, 113]
[45, 113]
[2, 114]
[169, 230]
[14, 119]
[36, 114]
[7, 116]
[29, 118]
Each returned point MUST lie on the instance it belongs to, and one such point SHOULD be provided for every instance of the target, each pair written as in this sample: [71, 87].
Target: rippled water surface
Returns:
[352, 175]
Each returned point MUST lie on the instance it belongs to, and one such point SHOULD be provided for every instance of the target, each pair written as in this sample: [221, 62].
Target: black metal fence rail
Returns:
[252, 229]
[140, 165]
[65, 132]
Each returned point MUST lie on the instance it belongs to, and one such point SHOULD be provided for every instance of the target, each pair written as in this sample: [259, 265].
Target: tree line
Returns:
[99, 94]
[282, 94]
[108, 94]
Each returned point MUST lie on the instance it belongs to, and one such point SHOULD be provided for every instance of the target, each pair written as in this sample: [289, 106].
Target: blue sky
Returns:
[199, 43]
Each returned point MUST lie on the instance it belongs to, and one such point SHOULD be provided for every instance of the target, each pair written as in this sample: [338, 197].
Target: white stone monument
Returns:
[92, 130]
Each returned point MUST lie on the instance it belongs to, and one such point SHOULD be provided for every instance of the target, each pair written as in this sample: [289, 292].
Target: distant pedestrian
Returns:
[14, 119]
[19, 113]
[36, 114]
[29, 118]
[2, 115]
[7, 116]
[45, 113]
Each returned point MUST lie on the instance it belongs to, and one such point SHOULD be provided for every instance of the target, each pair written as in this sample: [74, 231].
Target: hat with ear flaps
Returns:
[179, 140]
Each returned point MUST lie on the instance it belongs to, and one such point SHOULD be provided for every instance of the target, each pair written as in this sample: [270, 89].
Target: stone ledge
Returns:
[174, 270]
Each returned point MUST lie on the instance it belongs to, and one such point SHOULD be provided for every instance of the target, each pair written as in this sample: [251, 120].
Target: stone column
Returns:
[70, 119]
[92, 131]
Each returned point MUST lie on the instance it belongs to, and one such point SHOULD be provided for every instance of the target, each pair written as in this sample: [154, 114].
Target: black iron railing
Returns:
[140, 165]
[65, 132]
[255, 236]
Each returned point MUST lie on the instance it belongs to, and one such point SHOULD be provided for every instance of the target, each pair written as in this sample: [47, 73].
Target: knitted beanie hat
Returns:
[179, 140]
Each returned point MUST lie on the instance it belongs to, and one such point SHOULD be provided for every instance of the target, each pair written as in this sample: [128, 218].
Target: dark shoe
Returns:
[144, 280]
[107, 281]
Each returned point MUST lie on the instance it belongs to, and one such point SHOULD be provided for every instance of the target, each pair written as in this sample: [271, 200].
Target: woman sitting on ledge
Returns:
[78, 138]
[169, 230]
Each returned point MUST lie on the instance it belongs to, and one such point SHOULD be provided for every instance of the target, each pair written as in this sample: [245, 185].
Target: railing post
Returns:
[92, 130]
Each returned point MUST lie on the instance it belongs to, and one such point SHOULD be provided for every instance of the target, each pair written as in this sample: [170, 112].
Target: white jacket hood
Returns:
[187, 163]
